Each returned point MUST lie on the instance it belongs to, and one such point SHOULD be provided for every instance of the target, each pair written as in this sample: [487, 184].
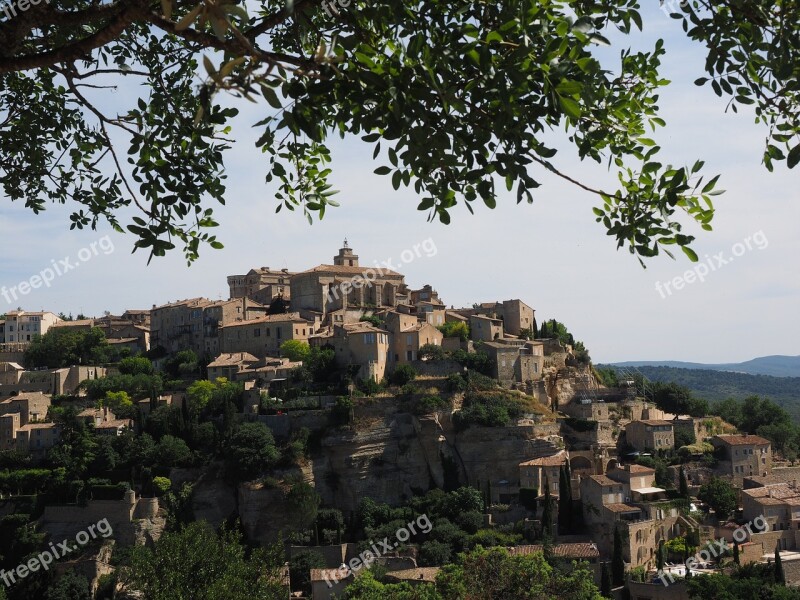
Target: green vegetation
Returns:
[484, 574]
[432, 352]
[722, 385]
[197, 563]
[489, 409]
[67, 346]
[720, 496]
[296, 350]
[747, 582]
[402, 375]
[457, 329]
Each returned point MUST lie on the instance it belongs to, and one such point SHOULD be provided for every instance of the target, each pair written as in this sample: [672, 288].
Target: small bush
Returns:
[403, 374]
[429, 404]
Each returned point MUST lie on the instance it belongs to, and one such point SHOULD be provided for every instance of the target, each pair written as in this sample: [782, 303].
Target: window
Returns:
[268, 331]
[278, 332]
[257, 333]
[409, 339]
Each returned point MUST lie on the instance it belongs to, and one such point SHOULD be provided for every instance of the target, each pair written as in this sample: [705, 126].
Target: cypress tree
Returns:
[686, 555]
[780, 579]
[605, 581]
[660, 556]
[565, 500]
[547, 511]
[736, 552]
[617, 562]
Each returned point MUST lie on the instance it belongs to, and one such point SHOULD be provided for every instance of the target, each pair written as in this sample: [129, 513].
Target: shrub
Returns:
[429, 404]
[431, 352]
[161, 485]
[488, 409]
[433, 553]
[403, 374]
[456, 383]
[457, 329]
[370, 387]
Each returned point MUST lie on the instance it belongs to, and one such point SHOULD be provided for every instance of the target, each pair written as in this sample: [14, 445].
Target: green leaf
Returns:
[690, 253]
[794, 157]
[571, 108]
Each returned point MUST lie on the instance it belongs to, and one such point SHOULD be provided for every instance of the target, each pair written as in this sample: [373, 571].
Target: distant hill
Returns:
[776, 366]
[718, 385]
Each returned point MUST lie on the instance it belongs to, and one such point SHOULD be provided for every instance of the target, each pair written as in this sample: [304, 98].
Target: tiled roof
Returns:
[348, 270]
[233, 359]
[114, 424]
[546, 461]
[603, 480]
[742, 440]
[328, 574]
[574, 550]
[30, 426]
[622, 508]
[420, 574]
[284, 318]
[639, 469]
[653, 422]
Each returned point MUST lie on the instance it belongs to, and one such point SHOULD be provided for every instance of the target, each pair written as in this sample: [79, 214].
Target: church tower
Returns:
[345, 258]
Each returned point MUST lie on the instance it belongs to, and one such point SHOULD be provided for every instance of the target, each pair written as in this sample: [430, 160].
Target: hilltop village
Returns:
[327, 409]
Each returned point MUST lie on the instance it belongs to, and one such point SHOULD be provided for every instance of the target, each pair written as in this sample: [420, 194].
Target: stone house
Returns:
[533, 473]
[485, 329]
[515, 361]
[32, 437]
[778, 503]
[23, 326]
[408, 335]
[263, 336]
[743, 455]
[425, 294]
[194, 324]
[650, 435]
[230, 364]
[262, 285]
[31, 406]
[10, 373]
[362, 345]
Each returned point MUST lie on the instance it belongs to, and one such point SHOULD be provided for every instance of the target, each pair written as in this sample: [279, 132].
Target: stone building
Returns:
[262, 285]
[485, 329]
[408, 335]
[650, 435]
[194, 324]
[23, 326]
[534, 473]
[263, 336]
[743, 455]
[515, 361]
[325, 289]
[360, 345]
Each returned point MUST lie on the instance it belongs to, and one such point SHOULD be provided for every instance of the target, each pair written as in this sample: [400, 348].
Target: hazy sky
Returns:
[550, 254]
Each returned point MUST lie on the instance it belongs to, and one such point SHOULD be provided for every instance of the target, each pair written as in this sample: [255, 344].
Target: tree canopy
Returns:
[457, 98]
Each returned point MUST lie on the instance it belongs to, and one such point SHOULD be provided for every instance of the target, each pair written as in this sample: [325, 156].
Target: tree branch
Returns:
[79, 49]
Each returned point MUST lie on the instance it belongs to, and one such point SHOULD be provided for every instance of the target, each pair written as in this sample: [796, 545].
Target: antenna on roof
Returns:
[345, 243]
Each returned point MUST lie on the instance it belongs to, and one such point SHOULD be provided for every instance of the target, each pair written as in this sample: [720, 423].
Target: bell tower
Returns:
[345, 258]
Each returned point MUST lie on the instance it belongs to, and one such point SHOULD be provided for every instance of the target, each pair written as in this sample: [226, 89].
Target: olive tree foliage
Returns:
[455, 96]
